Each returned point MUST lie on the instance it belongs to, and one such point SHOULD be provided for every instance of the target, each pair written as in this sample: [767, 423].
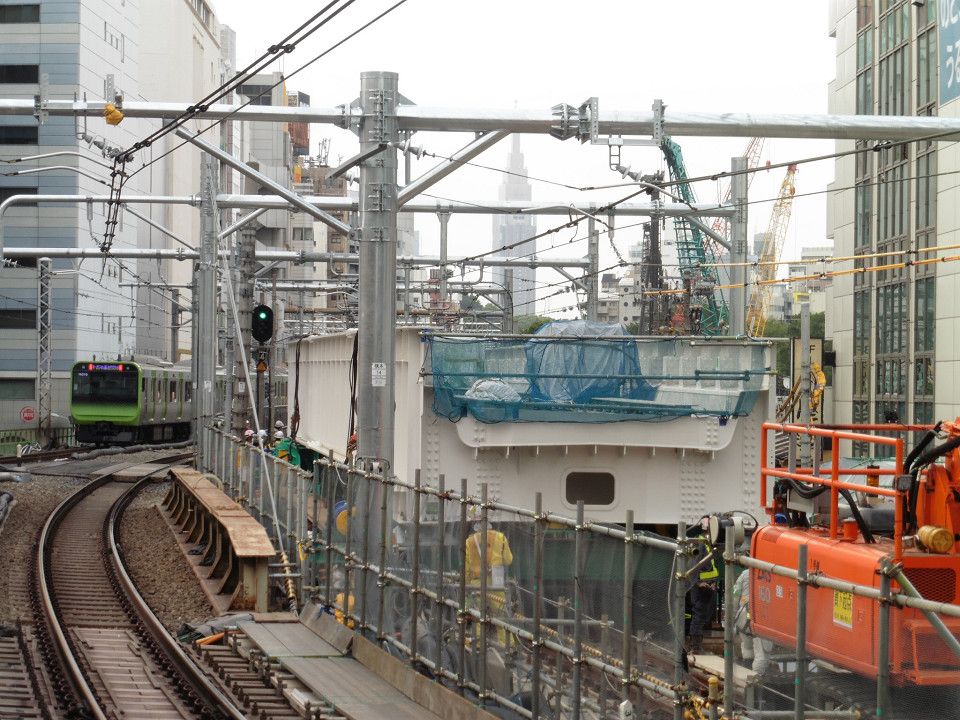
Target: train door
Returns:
[152, 397]
[164, 395]
[178, 396]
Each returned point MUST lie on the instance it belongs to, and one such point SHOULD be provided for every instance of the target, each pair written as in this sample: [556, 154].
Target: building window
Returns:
[257, 94]
[864, 215]
[18, 319]
[8, 191]
[19, 74]
[893, 195]
[927, 190]
[861, 416]
[861, 323]
[927, 68]
[891, 319]
[19, 134]
[17, 389]
[21, 13]
[924, 320]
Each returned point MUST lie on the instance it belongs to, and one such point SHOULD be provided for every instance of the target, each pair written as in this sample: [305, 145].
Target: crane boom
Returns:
[721, 225]
[695, 255]
[770, 256]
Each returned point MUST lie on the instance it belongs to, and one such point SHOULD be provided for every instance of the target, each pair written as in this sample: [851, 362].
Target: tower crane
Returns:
[695, 256]
[770, 256]
[721, 226]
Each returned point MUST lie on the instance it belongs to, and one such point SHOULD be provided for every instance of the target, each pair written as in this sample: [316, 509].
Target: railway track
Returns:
[95, 650]
[40, 456]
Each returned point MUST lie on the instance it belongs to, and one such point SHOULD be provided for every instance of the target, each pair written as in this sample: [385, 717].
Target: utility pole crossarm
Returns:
[415, 118]
[288, 195]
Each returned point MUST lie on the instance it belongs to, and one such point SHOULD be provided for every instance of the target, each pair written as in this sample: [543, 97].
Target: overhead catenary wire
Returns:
[283, 78]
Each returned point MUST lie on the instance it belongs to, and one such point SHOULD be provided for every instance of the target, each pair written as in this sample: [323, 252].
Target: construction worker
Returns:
[499, 557]
[753, 648]
[703, 594]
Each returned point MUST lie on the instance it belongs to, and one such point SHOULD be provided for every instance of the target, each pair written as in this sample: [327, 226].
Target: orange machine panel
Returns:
[843, 628]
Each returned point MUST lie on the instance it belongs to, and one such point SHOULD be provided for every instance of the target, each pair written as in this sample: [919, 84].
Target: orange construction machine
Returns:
[900, 520]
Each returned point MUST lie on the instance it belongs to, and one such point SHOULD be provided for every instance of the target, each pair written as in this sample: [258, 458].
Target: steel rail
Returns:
[75, 677]
[185, 665]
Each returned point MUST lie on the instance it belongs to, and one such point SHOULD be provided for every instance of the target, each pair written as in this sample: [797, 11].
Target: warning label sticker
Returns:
[843, 608]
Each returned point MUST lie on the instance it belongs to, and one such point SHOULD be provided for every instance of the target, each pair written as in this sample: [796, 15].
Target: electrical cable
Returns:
[283, 78]
[284, 47]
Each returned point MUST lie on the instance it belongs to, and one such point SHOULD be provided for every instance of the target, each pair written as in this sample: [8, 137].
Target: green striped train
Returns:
[116, 403]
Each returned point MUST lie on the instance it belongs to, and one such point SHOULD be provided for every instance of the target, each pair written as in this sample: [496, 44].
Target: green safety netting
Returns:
[581, 371]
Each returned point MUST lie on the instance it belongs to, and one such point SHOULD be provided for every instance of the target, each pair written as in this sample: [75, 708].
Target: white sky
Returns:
[743, 56]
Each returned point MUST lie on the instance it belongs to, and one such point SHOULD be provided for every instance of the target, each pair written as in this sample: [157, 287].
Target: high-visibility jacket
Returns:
[709, 572]
[498, 553]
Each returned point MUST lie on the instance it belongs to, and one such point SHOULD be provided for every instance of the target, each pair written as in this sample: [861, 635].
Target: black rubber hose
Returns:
[805, 491]
[919, 447]
[932, 455]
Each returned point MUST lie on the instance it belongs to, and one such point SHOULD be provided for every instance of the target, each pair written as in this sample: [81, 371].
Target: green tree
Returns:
[529, 324]
[779, 329]
[469, 302]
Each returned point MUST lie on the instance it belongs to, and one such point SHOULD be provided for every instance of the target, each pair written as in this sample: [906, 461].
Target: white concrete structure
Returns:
[664, 470]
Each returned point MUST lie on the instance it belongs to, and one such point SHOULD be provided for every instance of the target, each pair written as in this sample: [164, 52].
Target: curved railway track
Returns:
[113, 658]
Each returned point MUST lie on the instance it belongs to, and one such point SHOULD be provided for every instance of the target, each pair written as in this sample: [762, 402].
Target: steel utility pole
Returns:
[205, 348]
[592, 282]
[246, 240]
[738, 252]
[44, 338]
[376, 376]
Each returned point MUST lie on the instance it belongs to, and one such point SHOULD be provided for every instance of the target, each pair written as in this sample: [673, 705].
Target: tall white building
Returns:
[510, 232]
[895, 329]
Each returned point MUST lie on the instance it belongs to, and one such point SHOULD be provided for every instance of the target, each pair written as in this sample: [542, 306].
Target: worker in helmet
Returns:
[279, 434]
[753, 648]
[703, 593]
[499, 558]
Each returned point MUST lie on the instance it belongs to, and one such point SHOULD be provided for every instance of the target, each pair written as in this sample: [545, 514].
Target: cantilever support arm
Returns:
[288, 195]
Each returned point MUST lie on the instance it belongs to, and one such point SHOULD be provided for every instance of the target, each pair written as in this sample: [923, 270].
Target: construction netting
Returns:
[537, 615]
[580, 371]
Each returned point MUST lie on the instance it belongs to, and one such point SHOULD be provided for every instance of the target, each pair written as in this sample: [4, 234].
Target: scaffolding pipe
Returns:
[800, 686]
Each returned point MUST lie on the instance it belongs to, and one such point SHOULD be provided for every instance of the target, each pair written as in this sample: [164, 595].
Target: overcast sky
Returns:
[759, 56]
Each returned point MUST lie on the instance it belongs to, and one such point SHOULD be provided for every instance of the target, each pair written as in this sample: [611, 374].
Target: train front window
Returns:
[105, 386]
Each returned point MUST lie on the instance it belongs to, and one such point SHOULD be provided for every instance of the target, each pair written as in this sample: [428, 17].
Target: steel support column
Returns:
[205, 347]
[44, 351]
[378, 268]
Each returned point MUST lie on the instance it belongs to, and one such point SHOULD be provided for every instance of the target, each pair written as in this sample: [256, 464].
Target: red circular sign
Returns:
[28, 414]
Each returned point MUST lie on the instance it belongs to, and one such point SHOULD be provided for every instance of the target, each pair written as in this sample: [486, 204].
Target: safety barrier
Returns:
[582, 619]
[10, 439]
[231, 552]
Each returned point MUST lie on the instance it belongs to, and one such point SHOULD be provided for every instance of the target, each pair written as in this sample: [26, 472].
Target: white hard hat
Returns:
[278, 435]
[278, 424]
[263, 433]
[248, 432]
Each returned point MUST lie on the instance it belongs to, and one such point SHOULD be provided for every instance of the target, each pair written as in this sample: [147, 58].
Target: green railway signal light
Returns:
[262, 325]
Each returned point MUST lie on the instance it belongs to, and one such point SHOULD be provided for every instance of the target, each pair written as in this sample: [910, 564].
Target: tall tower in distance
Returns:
[508, 230]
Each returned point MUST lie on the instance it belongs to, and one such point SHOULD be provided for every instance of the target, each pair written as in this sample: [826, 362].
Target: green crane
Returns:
[693, 251]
